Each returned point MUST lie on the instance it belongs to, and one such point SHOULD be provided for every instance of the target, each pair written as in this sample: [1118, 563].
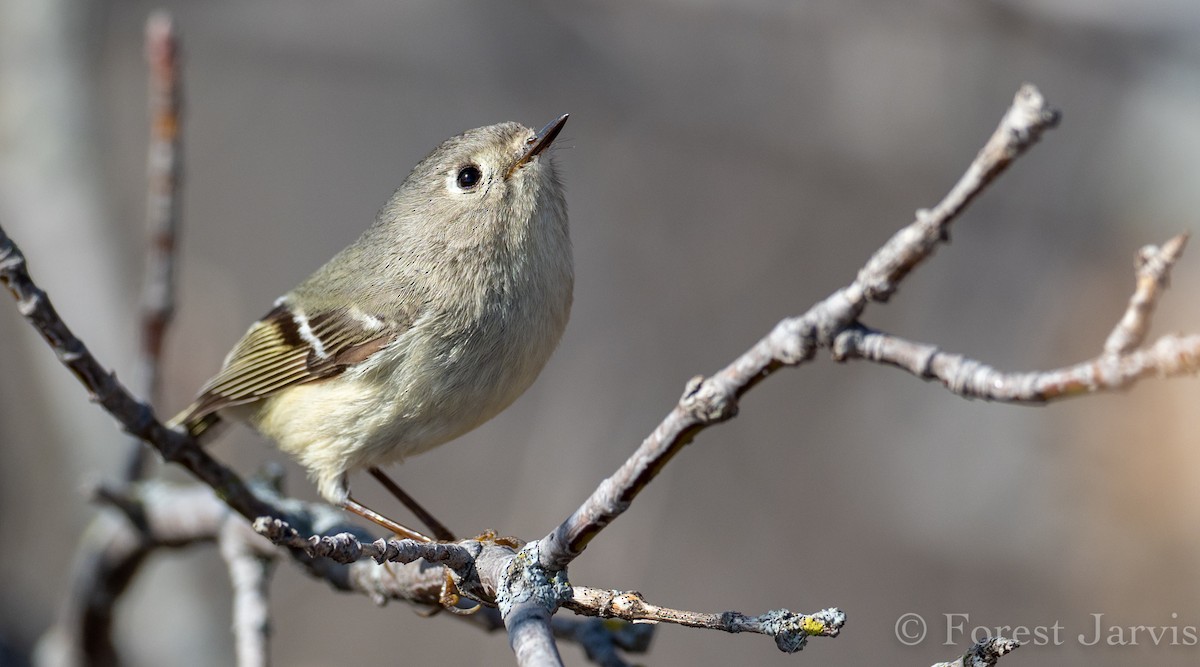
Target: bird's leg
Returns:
[449, 593]
[449, 596]
[371, 515]
[439, 529]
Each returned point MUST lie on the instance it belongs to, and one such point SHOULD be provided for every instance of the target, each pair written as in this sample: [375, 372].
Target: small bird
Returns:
[437, 318]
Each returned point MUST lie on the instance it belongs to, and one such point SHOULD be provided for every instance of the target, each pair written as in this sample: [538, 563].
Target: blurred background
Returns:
[728, 164]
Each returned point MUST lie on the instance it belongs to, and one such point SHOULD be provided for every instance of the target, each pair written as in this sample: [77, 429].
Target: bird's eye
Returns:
[468, 177]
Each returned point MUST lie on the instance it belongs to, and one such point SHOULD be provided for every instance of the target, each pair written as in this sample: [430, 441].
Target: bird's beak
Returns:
[540, 142]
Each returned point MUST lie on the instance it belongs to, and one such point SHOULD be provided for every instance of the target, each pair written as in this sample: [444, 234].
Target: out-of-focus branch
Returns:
[151, 515]
[164, 167]
[708, 401]
[601, 638]
[82, 633]
[115, 545]
[984, 654]
[250, 575]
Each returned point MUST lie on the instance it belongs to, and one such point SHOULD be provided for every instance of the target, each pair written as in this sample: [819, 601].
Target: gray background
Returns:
[728, 163]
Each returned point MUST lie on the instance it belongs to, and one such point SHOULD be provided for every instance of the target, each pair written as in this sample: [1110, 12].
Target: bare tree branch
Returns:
[530, 636]
[1169, 356]
[1117, 367]
[347, 548]
[517, 577]
[528, 596]
[1153, 273]
[154, 514]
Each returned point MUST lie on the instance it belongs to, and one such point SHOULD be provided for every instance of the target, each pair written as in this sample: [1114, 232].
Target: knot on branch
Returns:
[527, 582]
[708, 400]
[794, 340]
[792, 630]
[340, 548]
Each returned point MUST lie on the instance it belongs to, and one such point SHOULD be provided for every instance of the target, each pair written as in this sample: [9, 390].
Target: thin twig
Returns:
[1117, 367]
[1170, 356]
[494, 569]
[164, 166]
[790, 630]
[348, 548]
[1020, 128]
[1153, 273]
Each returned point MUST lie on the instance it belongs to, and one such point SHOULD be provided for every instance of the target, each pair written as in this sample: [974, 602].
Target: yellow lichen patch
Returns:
[812, 626]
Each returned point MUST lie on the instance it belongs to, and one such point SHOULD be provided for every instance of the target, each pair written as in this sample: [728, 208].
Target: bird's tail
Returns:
[197, 427]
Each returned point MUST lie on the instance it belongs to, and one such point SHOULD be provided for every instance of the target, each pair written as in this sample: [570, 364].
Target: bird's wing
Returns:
[286, 348]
